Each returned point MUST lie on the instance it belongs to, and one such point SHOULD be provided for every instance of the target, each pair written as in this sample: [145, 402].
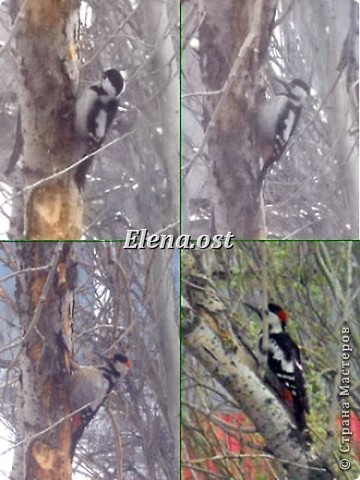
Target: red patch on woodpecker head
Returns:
[128, 363]
[279, 312]
[283, 316]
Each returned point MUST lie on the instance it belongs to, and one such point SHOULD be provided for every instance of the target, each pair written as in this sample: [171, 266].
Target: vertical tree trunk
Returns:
[233, 41]
[44, 299]
[169, 341]
[330, 79]
[160, 33]
[49, 75]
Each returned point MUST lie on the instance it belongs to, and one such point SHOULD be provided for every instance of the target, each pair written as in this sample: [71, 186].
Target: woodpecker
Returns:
[95, 110]
[90, 386]
[285, 373]
[277, 119]
[96, 106]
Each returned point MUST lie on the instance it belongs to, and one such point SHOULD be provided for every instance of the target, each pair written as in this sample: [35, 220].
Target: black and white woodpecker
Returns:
[285, 373]
[90, 386]
[277, 119]
[95, 110]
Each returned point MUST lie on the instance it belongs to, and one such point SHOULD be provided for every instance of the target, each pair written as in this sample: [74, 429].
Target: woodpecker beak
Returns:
[281, 313]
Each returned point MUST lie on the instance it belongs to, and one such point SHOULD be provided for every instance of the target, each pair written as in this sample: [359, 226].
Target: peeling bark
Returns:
[49, 78]
[44, 301]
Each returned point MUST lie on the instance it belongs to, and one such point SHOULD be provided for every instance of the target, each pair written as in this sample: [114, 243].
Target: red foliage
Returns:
[229, 445]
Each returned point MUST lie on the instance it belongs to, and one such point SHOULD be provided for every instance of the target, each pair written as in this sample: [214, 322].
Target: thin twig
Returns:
[25, 270]
[47, 429]
[65, 170]
[225, 91]
[14, 29]
[118, 443]
[264, 306]
[76, 164]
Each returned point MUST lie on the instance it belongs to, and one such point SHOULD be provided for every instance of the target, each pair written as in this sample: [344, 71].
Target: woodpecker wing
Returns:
[285, 363]
[84, 106]
[285, 128]
[269, 111]
[112, 106]
[96, 121]
[85, 391]
[300, 382]
[88, 386]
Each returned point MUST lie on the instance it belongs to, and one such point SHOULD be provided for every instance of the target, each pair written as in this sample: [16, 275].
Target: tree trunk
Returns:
[165, 73]
[44, 299]
[169, 341]
[49, 75]
[233, 41]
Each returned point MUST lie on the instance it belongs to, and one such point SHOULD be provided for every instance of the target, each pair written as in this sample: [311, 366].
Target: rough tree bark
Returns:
[48, 80]
[45, 300]
[233, 43]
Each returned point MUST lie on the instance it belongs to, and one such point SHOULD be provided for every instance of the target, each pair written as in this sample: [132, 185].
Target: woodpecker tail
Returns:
[83, 168]
[78, 427]
[268, 164]
[299, 416]
[294, 405]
